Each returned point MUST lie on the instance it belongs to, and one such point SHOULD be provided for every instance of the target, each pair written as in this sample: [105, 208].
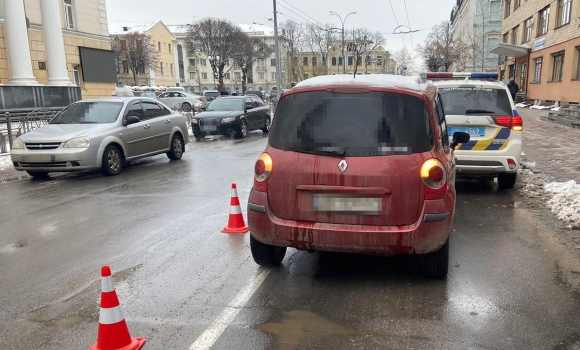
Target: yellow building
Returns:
[37, 54]
[308, 64]
[162, 41]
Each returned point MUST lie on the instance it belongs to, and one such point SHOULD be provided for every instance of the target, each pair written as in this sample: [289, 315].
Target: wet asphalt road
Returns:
[158, 226]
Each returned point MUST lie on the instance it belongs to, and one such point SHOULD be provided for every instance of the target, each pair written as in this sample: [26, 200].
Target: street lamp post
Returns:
[277, 49]
[342, 42]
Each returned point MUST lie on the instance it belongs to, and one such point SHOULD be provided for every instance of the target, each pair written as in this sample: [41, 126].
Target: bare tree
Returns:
[403, 58]
[362, 44]
[138, 51]
[319, 40]
[440, 50]
[219, 40]
[251, 51]
[294, 32]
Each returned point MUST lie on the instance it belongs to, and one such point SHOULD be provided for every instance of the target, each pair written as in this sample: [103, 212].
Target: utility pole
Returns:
[277, 49]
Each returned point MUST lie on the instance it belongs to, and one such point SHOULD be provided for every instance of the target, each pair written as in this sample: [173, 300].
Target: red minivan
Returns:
[360, 165]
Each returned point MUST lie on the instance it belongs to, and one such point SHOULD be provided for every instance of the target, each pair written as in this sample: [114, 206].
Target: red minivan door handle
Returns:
[344, 189]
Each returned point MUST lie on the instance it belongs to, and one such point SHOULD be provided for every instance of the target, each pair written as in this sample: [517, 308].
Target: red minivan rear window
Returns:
[353, 125]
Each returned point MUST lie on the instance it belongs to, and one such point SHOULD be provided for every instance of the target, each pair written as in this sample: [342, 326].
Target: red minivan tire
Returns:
[436, 264]
[266, 255]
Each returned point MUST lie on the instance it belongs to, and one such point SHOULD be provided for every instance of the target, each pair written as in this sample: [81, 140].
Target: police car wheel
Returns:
[506, 181]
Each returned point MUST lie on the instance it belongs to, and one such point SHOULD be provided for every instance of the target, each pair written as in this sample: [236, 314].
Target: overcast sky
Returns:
[372, 14]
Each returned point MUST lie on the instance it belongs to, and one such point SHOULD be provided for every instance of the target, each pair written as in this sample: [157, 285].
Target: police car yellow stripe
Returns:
[482, 145]
[498, 142]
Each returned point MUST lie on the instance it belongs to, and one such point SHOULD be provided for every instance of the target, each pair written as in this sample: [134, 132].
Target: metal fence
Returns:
[12, 125]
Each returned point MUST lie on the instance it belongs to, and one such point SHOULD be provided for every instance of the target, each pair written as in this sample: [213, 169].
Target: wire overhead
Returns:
[297, 9]
[410, 30]
[297, 14]
[397, 21]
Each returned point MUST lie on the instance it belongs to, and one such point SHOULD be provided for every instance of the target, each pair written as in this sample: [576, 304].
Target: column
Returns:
[17, 46]
[54, 43]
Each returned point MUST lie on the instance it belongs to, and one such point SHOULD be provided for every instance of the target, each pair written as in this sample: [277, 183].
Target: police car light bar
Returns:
[451, 75]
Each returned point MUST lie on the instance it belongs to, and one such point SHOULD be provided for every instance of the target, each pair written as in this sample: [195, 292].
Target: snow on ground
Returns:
[563, 198]
[528, 165]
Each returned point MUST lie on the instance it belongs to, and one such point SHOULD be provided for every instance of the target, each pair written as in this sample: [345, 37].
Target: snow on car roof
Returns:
[378, 80]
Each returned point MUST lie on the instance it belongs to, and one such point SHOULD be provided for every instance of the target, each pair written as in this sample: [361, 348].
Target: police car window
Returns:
[464, 100]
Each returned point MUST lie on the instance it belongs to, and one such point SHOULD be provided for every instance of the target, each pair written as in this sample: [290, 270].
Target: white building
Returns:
[194, 72]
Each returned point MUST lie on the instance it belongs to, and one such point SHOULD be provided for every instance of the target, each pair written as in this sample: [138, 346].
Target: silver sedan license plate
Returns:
[349, 205]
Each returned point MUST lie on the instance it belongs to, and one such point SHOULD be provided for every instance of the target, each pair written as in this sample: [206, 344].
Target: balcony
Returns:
[192, 69]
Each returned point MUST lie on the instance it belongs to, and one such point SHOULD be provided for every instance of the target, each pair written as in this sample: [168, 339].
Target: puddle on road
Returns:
[67, 322]
[11, 248]
[570, 343]
[301, 328]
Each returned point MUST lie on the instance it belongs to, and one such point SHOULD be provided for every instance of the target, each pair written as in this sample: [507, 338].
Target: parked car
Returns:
[486, 111]
[357, 165]
[185, 100]
[101, 134]
[235, 115]
[258, 93]
[148, 94]
[175, 88]
[211, 95]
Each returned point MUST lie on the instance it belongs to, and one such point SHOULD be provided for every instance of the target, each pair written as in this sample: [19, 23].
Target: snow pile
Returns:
[528, 165]
[565, 201]
[378, 80]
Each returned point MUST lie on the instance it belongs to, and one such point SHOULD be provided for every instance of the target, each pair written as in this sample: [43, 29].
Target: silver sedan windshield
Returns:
[89, 113]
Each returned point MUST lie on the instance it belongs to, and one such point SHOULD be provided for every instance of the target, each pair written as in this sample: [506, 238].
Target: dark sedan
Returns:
[232, 116]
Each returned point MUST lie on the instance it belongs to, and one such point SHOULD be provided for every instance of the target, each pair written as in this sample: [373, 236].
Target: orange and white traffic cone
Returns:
[113, 331]
[236, 221]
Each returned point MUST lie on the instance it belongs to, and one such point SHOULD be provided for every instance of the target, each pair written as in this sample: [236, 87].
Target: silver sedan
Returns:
[101, 134]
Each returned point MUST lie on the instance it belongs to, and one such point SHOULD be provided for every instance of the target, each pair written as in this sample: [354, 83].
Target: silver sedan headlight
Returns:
[78, 142]
[228, 120]
[17, 144]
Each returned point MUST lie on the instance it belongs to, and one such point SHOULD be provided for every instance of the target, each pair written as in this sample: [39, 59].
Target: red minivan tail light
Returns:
[434, 177]
[262, 171]
[515, 123]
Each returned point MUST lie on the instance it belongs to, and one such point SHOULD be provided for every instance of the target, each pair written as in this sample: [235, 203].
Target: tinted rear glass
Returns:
[470, 100]
[355, 125]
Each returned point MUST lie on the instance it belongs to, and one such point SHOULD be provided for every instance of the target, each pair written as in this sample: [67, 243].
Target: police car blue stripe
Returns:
[468, 146]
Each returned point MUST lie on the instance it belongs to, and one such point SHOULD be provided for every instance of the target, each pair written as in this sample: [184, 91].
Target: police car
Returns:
[482, 107]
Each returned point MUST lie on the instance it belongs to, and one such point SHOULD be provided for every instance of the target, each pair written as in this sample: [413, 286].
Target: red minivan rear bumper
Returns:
[427, 235]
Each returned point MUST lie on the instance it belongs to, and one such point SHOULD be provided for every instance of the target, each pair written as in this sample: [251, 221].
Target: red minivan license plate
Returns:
[349, 205]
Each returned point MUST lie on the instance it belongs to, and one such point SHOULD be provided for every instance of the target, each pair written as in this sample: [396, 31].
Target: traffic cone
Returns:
[236, 221]
[113, 332]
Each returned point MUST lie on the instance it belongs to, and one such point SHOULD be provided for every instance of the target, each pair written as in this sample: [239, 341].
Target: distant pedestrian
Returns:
[513, 88]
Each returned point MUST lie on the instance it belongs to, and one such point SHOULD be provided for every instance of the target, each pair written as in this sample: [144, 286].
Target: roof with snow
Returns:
[126, 28]
[257, 29]
[178, 28]
[378, 80]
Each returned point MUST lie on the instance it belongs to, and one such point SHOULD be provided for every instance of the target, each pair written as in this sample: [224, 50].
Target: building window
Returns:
[350, 60]
[529, 26]
[516, 35]
[314, 61]
[260, 62]
[564, 12]
[333, 60]
[272, 48]
[192, 76]
[538, 70]
[192, 62]
[159, 46]
[171, 68]
[161, 67]
[359, 60]
[523, 75]
[305, 75]
[340, 61]
[507, 9]
[305, 61]
[204, 76]
[169, 48]
[506, 37]
[237, 76]
[227, 62]
[76, 75]
[558, 67]
[261, 76]
[544, 19]
[517, 4]
[203, 62]
[227, 76]
[273, 62]
[69, 14]
[578, 63]
[125, 64]
[123, 44]
[273, 76]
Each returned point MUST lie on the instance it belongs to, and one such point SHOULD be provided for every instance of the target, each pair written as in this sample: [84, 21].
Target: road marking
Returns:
[210, 335]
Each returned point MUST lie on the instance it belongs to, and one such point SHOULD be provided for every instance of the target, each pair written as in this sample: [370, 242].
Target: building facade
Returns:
[163, 44]
[195, 71]
[312, 64]
[56, 43]
[476, 25]
[540, 48]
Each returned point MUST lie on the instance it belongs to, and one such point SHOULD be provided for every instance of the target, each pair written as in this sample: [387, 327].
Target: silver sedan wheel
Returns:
[177, 147]
[114, 160]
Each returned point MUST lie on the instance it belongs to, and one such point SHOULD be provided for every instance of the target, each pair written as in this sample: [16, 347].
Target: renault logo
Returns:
[342, 165]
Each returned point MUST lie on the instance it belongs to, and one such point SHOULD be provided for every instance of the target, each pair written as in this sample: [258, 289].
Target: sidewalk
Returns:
[554, 148]
[7, 171]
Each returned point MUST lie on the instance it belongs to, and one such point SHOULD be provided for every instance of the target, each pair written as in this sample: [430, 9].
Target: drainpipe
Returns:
[528, 73]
